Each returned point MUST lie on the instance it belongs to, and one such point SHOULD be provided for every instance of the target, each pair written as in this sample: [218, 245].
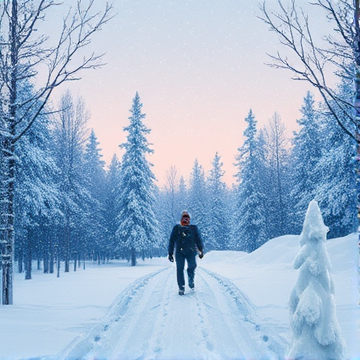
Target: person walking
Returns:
[186, 241]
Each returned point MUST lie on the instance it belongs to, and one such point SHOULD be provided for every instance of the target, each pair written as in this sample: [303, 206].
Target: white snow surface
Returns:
[239, 309]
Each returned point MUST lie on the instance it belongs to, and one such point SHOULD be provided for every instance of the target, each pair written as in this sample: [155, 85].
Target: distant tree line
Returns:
[276, 179]
[70, 208]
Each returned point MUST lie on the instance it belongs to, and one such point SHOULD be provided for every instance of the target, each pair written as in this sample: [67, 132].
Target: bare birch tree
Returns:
[277, 158]
[23, 54]
[171, 190]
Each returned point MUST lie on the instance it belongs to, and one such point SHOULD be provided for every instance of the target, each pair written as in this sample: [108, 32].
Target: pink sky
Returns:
[199, 66]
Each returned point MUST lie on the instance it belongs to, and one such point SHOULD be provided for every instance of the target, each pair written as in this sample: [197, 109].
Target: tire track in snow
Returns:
[100, 341]
[149, 320]
[253, 338]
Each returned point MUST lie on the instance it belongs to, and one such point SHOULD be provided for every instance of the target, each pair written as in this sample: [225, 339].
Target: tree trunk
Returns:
[58, 261]
[67, 244]
[51, 255]
[75, 261]
[7, 221]
[20, 256]
[28, 255]
[357, 111]
[7, 217]
[133, 257]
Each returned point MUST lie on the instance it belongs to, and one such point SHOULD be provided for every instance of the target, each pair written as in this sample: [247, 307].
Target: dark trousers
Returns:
[180, 264]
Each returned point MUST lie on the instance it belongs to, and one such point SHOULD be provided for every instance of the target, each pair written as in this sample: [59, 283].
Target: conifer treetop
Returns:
[314, 228]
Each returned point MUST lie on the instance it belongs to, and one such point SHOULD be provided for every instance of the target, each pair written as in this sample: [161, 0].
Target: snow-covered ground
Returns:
[114, 311]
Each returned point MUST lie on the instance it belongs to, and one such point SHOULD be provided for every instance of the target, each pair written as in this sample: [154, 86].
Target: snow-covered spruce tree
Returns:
[316, 334]
[137, 225]
[198, 200]
[305, 156]
[94, 229]
[218, 223]
[336, 192]
[111, 194]
[249, 221]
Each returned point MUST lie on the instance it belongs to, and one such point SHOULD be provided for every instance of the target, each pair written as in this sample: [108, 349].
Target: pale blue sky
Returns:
[198, 66]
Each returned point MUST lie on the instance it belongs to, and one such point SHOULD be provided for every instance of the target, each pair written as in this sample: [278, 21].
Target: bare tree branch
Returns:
[292, 26]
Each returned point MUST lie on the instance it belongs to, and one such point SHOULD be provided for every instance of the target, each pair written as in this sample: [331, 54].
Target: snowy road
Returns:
[149, 320]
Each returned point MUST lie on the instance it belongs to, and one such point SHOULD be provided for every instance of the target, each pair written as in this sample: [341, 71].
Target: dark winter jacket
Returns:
[185, 239]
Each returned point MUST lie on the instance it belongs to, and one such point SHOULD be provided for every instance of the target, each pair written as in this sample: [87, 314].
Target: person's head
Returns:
[185, 218]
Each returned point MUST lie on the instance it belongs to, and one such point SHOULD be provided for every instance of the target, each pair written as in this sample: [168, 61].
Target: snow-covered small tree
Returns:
[113, 177]
[218, 223]
[95, 219]
[316, 334]
[137, 225]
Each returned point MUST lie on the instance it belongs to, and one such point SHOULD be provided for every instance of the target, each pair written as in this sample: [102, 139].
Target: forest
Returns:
[70, 207]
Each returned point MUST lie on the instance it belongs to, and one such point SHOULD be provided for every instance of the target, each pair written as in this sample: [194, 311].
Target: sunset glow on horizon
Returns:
[199, 67]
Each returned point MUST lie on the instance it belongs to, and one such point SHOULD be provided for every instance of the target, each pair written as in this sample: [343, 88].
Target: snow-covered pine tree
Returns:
[137, 225]
[305, 156]
[94, 229]
[36, 194]
[249, 222]
[198, 200]
[219, 232]
[336, 192]
[113, 177]
[316, 333]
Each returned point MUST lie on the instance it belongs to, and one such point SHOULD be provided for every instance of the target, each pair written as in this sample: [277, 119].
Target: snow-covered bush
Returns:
[316, 333]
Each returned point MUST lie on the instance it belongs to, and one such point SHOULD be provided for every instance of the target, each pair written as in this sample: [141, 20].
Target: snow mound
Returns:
[232, 257]
[343, 252]
[282, 250]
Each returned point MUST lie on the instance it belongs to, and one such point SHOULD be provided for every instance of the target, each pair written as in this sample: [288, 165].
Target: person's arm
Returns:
[172, 243]
[198, 242]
